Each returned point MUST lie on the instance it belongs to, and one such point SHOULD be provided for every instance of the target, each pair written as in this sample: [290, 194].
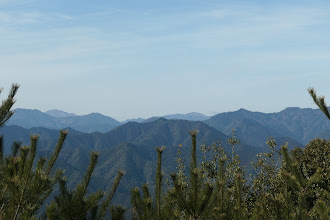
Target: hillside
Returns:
[129, 147]
[93, 122]
[253, 127]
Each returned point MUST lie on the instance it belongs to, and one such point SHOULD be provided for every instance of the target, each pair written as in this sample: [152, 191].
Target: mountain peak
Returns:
[59, 113]
[291, 109]
[192, 116]
[95, 114]
[161, 119]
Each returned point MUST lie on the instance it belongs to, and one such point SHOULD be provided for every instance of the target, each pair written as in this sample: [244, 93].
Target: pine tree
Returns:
[228, 196]
[313, 165]
[144, 207]
[193, 199]
[309, 190]
[265, 183]
[24, 184]
[76, 205]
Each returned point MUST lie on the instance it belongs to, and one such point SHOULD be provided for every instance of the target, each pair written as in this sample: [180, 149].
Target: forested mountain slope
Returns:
[129, 147]
[296, 123]
[28, 118]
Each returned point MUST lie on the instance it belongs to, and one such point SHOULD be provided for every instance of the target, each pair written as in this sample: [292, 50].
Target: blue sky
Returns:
[128, 59]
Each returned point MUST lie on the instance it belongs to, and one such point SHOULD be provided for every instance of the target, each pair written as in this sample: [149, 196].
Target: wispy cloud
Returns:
[15, 2]
[25, 18]
[221, 29]
[220, 48]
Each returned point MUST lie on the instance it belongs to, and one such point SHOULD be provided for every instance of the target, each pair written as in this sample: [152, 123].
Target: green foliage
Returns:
[117, 212]
[308, 175]
[319, 101]
[315, 156]
[193, 199]
[228, 178]
[180, 174]
[6, 105]
[144, 207]
[76, 205]
[24, 184]
[283, 185]
[265, 182]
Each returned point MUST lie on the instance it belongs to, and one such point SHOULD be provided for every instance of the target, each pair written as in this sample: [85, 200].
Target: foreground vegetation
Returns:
[284, 185]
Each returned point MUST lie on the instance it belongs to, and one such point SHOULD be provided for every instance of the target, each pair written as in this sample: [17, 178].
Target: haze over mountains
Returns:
[130, 146]
[300, 124]
[59, 113]
[28, 118]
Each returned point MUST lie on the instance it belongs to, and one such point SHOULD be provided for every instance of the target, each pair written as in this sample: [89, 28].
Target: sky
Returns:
[129, 59]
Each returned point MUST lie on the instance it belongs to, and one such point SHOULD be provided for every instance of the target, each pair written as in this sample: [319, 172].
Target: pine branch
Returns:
[52, 159]
[147, 202]
[82, 187]
[193, 160]
[5, 108]
[158, 188]
[15, 148]
[32, 154]
[179, 193]
[111, 194]
[239, 203]
[117, 212]
[319, 101]
[23, 155]
[1, 153]
[136, 201]
[193, 171]
[221, 183]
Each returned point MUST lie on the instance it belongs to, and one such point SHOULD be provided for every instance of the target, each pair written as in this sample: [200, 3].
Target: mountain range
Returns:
[28, 118]
[299, 124]
[131, 146]
[94, 122]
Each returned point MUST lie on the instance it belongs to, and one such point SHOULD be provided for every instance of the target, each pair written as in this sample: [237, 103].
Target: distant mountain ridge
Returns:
[94, 122]
[28, 118]
[59, 113]
[192, 116]
[129, 147]
[299, 124]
